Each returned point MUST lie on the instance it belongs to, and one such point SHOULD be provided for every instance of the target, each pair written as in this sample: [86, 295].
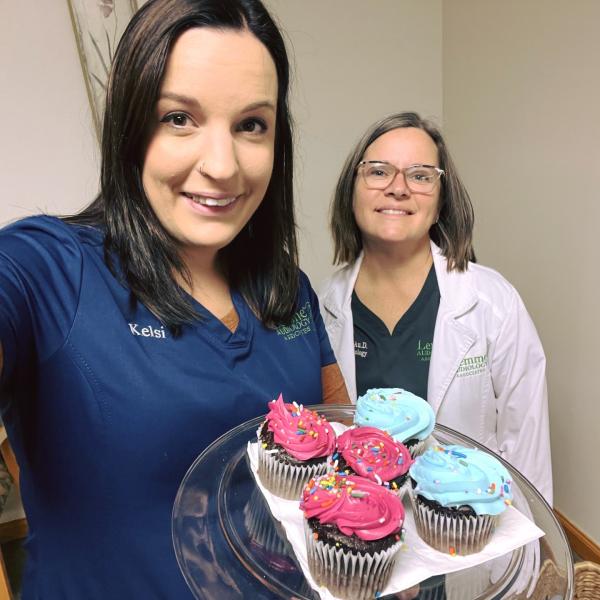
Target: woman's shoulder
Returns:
[336, 289]
[493, 289]
[43, 243]
[51, 228]
[32, 224]
[339, 276]
[477, 282]
[486, 278]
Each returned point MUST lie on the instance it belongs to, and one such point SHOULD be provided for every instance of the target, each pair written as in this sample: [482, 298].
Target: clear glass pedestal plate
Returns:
[229, 546]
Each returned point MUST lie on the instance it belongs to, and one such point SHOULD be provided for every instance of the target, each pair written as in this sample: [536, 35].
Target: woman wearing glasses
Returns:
[410, 309]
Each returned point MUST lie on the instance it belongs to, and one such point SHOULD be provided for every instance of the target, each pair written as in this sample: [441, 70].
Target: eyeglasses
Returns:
[378, 174]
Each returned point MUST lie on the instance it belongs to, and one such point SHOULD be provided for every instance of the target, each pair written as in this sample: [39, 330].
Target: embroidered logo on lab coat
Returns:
[472, 365]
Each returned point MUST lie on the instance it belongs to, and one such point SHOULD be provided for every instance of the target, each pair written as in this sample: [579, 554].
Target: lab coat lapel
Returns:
[451, 342]
[340, 326]
[452, 338]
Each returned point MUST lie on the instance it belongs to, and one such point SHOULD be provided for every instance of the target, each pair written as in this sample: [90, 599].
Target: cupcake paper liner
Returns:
[417, 449]
[420, 447]
[403, 489]
[285, 480]
[347, 575]
[461, 535]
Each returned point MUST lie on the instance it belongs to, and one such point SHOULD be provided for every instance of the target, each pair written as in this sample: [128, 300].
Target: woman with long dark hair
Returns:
[171, 309]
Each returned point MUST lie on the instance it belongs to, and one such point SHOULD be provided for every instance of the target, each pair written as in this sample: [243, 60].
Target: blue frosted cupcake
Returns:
[457, 496]
[406, 417]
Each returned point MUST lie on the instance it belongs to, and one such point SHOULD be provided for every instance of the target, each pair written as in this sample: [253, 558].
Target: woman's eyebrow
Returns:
[179, 98]
[258, 105]
[190, 101]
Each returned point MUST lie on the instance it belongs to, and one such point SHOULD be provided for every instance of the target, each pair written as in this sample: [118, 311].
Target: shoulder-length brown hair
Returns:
[453, 232]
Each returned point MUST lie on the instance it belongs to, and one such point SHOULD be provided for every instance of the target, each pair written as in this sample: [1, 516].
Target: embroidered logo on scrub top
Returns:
[361, 349]
[301, 324]
[147, 331]
[424, 350]
[472, 365]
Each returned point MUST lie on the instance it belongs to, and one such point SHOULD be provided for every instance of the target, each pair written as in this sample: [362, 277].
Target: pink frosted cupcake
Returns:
[374, 454]
[293, 445]
[353, 530]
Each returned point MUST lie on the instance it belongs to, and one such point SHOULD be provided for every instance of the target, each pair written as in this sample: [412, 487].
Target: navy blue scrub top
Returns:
[106, 410]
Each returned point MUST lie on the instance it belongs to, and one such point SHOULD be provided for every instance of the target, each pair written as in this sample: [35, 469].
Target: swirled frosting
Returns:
[456, 476]
[355, 505]
[373, 453]
[299, 431]
[402, 414]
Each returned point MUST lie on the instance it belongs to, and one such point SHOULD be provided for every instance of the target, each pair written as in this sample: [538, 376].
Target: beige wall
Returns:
[48, 156]
[521, 105]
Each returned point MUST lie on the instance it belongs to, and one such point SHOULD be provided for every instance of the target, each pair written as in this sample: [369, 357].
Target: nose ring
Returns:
[201, 169]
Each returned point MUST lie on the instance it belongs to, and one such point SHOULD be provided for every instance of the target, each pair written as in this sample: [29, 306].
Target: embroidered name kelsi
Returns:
[300, 325]
[147, 331]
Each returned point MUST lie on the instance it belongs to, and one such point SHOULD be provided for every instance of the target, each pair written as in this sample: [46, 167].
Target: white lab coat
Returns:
[487, 370]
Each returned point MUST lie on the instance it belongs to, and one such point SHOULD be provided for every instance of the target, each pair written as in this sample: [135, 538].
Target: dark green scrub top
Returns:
[402, 358]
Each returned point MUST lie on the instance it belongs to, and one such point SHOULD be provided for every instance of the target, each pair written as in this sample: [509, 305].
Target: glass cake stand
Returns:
[229, 546]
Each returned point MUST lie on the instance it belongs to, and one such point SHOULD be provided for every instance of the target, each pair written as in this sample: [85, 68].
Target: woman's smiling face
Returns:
[210, 155]
[397, 214]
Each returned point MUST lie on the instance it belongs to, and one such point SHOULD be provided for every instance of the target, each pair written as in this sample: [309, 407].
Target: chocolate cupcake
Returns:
[457, 496]
[353, 530]
[293, 445]
[374, 454]
[406, 417]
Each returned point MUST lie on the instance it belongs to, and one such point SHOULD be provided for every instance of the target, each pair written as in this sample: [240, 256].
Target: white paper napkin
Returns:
[416, 560]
